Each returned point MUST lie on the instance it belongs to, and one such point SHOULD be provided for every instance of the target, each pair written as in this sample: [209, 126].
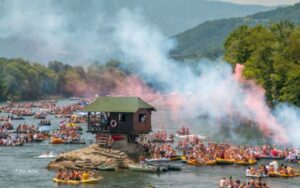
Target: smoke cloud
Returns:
[207, 89]
[210, 88]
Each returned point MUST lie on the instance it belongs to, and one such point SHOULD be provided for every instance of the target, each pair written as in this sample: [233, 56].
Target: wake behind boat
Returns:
[47, 155]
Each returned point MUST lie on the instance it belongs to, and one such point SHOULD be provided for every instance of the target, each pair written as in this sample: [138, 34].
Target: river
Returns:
[20, 167]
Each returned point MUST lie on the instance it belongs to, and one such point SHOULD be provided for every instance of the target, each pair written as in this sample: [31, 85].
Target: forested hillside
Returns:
[207, 39]
[271, 56]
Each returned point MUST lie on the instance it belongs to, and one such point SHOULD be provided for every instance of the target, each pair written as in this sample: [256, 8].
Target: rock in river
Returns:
[89, 158]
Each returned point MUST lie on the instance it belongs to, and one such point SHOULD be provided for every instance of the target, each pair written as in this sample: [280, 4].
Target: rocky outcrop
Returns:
[89, 158]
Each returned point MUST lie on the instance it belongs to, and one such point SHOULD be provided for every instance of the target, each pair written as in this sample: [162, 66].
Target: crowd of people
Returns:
[75, 175]
[231, 183]
[67, 133]
[161, 136]
[271, 168]
[184, 131]
[160, 151]
[25, 128]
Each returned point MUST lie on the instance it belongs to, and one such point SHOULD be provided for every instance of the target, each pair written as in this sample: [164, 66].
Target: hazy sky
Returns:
[263, 2]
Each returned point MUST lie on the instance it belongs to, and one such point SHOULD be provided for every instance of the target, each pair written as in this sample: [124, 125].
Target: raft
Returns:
[56, 141]
[244, 163]
[146, 168]
[275, 174]
[208, 163]
[211, 162]
[175, 158]
[225, 161]
[76, 182]
[193, 162]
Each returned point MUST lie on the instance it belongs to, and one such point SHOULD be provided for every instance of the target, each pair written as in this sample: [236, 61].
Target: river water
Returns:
[20, 167]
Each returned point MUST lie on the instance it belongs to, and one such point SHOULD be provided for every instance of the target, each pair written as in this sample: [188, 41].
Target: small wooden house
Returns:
[119, 115]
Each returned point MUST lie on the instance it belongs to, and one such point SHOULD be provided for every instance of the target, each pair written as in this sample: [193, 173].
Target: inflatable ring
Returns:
[113, 123]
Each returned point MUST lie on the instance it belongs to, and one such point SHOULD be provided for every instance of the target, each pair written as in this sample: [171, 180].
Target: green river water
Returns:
[19, 166]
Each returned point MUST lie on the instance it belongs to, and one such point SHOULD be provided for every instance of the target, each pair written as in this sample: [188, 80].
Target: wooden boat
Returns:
[76, 182]
[145, 168]
[158, 160]
[244, 163]
[225, 161]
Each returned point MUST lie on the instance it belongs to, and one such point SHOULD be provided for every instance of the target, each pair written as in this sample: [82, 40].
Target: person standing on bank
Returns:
[109, 143]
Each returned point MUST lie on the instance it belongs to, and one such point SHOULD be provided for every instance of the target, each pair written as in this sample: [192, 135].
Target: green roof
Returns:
[118, 104]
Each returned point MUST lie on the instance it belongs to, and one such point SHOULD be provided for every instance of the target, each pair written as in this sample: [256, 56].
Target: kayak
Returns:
[244, 163]
[57, 141]
[225, 161]
[76, 182]
[275, 174]
[106, 168]
[145, 168]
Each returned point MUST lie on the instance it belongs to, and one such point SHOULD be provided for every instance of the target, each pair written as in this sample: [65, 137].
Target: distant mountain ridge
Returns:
[174, 16]
[206, 40]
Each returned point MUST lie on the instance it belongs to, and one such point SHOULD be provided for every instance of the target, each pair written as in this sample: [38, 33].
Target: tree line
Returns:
[22, 80]
[271, 56]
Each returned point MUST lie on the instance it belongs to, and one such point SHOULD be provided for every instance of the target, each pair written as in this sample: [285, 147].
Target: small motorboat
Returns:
[158, 160]
[146, 168]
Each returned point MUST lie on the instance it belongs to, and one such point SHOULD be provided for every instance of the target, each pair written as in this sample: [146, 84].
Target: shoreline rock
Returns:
[89, 158]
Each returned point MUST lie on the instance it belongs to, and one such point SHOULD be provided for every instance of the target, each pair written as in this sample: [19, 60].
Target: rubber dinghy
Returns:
[257, 175]
[76, 182]
[275, 174]
[146, 168]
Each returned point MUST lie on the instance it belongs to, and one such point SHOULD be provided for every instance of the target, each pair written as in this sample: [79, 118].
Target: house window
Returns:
[122, 117]
[142, 118]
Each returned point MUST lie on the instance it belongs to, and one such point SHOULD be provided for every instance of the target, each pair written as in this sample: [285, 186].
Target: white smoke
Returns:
[72, 31]
[209, 89]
